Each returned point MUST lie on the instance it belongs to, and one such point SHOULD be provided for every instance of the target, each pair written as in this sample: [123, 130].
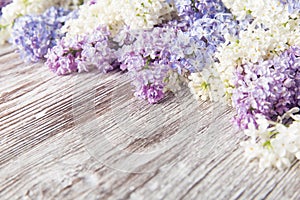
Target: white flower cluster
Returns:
[272, 31]
[272, 143]
[238, 8]
[266, 12]
[138, 14]
[71, 4]
[207, 85]
[173, 82]
[23, 7]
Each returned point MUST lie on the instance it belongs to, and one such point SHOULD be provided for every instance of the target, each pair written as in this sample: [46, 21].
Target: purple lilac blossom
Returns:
[149, 83]
[35, 34]
[206, 24]
[61, 58]
[293, 5]
[147, 60]
[83, 54]
[270, 87]
[191, 10]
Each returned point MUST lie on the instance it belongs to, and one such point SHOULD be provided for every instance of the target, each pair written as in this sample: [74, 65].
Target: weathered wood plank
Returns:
[86, 137]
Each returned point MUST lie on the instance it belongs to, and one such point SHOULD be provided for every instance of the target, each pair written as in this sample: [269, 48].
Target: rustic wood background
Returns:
[86, 137]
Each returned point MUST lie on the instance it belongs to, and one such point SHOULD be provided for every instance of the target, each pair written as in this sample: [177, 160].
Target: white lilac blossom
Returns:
[138, 14]
[83, 54]
[274, 143]
[35, 34]
[266, 12]
[207, 85]
[71, 4]
[3, 3]
[269, 87]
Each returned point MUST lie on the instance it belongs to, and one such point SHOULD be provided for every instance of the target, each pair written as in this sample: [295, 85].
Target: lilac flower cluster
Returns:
[208, 22]
[83, 54]
[150, 83]
[191, 10]
[188, 53]
[3, 3]
[213, 30]
[248, 51]
[269, 87]
[146, 55]
[293, 5]
[35, 34]
[185, 45]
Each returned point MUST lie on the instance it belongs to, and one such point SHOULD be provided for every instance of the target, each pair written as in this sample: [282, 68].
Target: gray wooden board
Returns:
[86, 136]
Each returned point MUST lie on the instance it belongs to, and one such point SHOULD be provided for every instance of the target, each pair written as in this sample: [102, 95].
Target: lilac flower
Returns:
[35, 34]
[148, 60]
[293, 5]
[270, 87]
[98, 51]
[83, 54]
[207, 24]
[61, 58]
[190, 10]
[149, 83]
[213, 30]
[154, 93]
[188, 53]
[3, 3]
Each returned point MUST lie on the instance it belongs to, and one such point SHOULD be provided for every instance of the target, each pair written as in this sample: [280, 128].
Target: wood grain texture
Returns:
[86, 137]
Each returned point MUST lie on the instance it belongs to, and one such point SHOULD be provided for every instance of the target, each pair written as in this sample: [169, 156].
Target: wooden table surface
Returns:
[85, 136]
